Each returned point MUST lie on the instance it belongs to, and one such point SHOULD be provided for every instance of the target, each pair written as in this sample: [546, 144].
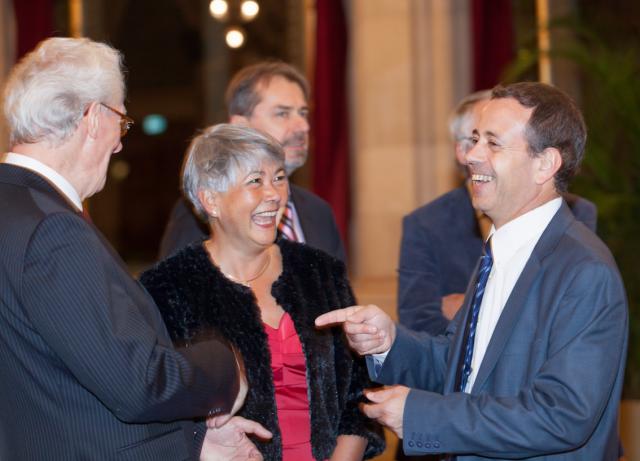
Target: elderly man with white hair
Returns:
[89, 371]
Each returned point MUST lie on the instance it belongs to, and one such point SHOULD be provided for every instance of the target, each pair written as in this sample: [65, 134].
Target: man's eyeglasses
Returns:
[125, 121]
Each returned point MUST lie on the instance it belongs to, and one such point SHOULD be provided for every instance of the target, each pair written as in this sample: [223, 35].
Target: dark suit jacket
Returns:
[549, 384]
[315, 215]
[441, 244]
[88, 369]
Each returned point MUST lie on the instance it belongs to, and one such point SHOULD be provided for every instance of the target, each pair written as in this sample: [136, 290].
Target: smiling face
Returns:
[283, 113]
[248, 213]
[506, 180]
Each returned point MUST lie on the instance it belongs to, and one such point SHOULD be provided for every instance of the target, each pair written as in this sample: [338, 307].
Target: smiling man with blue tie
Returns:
[532, 366]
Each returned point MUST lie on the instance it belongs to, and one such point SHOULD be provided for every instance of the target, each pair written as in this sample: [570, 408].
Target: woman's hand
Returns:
[229, 441]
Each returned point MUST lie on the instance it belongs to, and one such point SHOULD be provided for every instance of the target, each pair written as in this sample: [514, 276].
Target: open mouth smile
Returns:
[482, 178]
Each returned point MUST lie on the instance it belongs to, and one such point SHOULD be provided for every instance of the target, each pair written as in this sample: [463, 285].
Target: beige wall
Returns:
[7, 56]
[409, 66]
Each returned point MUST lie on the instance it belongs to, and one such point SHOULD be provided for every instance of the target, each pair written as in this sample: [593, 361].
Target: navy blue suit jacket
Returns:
[315, 215]
[549, 385]
[441, 244]
[88, 369]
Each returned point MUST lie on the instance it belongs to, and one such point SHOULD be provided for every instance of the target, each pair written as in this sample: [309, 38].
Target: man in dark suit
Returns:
[532, 365]
[442, 240]
[88, 370]
[270, 97]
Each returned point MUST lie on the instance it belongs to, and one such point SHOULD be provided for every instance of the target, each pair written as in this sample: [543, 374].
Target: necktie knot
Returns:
[486, 248]
[486, 261]
[286, 227]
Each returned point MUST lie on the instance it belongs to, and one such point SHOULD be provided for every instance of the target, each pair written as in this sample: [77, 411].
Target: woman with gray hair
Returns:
[263, 296]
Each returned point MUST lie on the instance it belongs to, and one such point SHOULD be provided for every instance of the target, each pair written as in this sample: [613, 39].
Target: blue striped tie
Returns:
[486, 262]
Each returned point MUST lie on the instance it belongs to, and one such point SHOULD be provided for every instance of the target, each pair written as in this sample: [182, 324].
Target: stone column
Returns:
[410, 65]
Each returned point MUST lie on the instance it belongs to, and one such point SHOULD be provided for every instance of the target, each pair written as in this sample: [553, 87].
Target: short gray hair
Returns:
[49, 90]
[216, 157]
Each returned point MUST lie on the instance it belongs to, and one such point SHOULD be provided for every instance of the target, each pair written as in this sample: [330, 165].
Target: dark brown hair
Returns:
[242, 94]
[555, 122]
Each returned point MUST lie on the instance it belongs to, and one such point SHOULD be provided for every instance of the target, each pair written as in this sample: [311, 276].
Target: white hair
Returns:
[463, 113]
[216, 157]
[49, 90]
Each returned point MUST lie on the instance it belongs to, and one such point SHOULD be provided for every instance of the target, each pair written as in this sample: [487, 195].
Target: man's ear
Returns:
[208, 200]
[549, 162]
[239, 120]
[92, 119]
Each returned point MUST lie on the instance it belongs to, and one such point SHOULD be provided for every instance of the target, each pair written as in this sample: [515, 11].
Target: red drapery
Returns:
[331, 114]
[34, 22]
[493, 41]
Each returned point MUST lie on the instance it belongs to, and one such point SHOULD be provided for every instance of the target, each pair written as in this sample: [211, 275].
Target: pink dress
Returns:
[289, 377]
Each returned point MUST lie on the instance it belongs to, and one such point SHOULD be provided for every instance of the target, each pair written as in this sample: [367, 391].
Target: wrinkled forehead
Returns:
[501, 117]
[471, 117]
[279, 90]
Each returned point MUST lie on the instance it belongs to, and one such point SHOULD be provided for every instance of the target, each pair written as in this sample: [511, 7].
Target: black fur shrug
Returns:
[192, 294]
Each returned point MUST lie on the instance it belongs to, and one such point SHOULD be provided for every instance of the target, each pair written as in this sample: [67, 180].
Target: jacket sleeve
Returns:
[559, 409]
[419, 281]
[106, 331]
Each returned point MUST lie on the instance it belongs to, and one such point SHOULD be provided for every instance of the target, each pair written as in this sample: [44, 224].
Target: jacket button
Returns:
[419, 444]
[427, 445]
[411, 444]
[436, 444]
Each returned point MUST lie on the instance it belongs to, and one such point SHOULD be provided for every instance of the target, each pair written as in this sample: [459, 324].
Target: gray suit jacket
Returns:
[315, 215]
[550, 382]
[88, 370]
[441, 244]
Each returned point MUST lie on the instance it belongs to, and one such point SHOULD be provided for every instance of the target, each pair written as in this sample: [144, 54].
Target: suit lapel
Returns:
[521, 293]
[508, 318]
[457, 329]
[305, 217]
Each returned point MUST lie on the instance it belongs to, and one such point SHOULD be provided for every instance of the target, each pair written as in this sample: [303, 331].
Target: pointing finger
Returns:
[336, 316]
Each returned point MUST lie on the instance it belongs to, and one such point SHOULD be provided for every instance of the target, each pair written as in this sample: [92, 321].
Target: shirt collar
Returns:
[55, 178]
[507, 240]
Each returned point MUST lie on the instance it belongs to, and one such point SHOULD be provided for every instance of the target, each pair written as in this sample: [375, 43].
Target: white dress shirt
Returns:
[56, 180]
[511, 247]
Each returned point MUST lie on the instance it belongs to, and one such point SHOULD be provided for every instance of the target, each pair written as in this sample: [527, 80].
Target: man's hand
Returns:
[451, 304]
[369, 329]
[387, 406]
[229, 442]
